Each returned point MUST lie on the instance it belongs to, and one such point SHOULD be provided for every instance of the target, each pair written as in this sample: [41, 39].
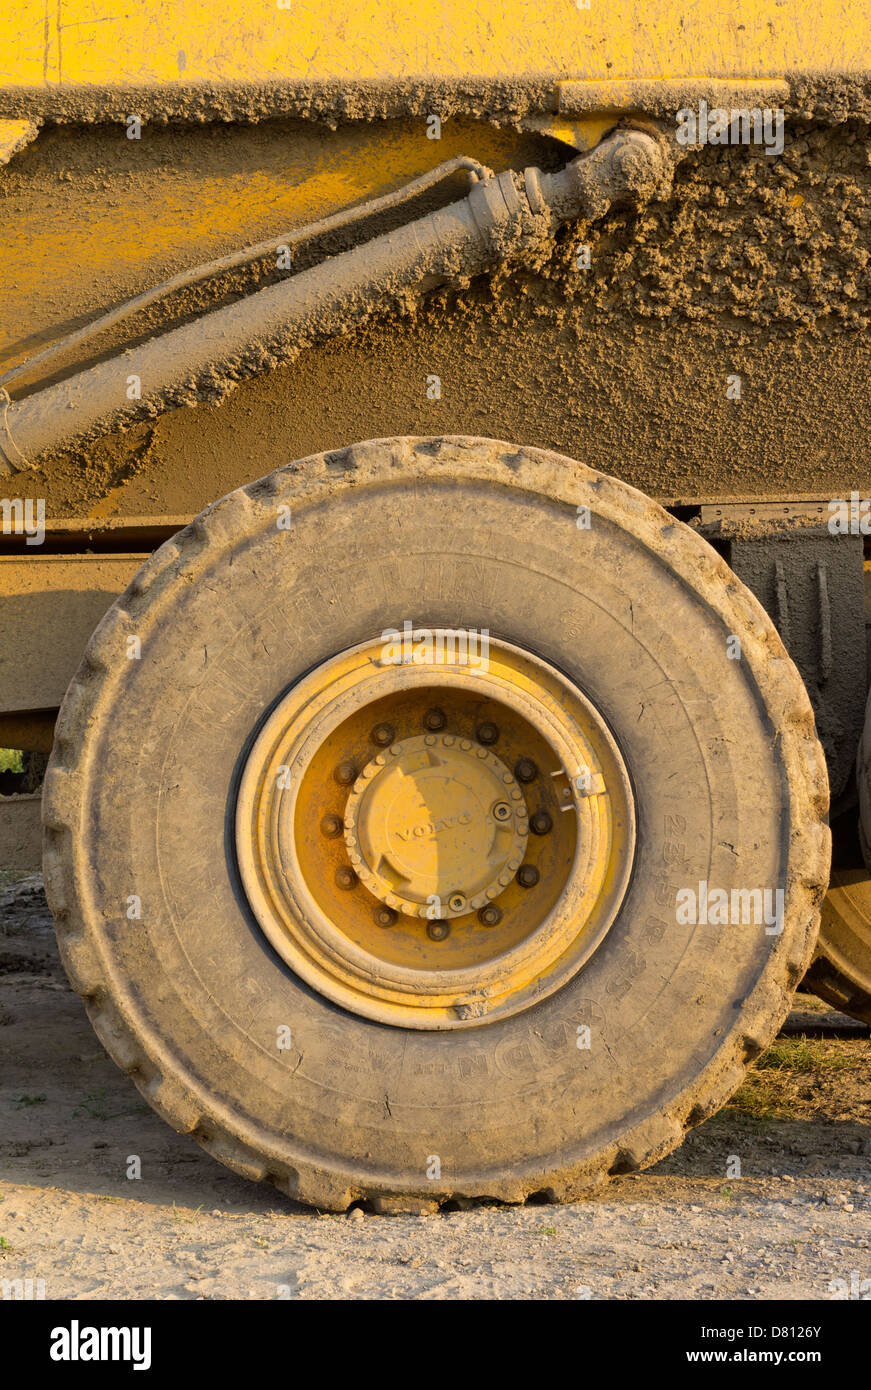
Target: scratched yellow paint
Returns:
[46, 42]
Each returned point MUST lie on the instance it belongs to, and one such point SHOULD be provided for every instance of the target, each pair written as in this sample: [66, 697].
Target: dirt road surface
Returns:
[796, 1223]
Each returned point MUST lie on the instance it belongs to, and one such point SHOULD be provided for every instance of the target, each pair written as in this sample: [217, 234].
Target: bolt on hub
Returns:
[490, 916]
[525, 770]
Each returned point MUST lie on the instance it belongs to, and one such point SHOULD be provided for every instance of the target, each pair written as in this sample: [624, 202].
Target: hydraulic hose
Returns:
[206, 358]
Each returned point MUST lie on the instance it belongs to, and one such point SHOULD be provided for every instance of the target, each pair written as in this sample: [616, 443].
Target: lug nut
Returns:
[385, 917]
[437, 931]
[383, 735]
[331, 826]
[490, 916]
[435, 719]
[345, 774]
[527, 875]
[345, 876]
[456, 902]
[540, 823]
[525, 770]
[487, 732]
[502, 811]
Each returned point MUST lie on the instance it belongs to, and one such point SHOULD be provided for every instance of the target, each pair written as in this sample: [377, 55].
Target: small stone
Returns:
[355, 1214]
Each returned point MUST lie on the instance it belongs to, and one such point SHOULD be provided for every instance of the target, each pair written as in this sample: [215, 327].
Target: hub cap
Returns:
[439, 843]
[436, 818]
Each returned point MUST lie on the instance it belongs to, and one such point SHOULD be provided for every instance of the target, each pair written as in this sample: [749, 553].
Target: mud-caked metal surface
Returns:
[811, 583]
[502, 218]
[626, 364]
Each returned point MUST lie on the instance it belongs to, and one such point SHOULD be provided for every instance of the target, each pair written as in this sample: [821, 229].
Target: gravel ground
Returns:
[791, 1226]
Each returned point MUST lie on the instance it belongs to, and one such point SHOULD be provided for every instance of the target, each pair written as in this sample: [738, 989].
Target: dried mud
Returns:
[755, 266]
[826, 96]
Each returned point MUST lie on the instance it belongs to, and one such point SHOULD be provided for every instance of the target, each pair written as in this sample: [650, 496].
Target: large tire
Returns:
[729, 783]
[863, 784]
[841, 972]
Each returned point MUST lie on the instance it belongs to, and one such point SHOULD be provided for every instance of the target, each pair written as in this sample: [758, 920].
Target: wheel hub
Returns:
[434, 844]
[436, 826]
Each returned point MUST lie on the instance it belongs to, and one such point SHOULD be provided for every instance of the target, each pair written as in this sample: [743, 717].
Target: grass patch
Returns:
[185, 1215]
[800, 1056]
[770, 1092]
[762, 1099]
[10, 760]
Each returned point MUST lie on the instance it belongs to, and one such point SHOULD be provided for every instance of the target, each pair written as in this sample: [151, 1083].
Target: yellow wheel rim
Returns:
[438, 839]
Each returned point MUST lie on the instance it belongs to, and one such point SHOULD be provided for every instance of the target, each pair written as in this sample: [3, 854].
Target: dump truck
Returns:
[433, 575]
